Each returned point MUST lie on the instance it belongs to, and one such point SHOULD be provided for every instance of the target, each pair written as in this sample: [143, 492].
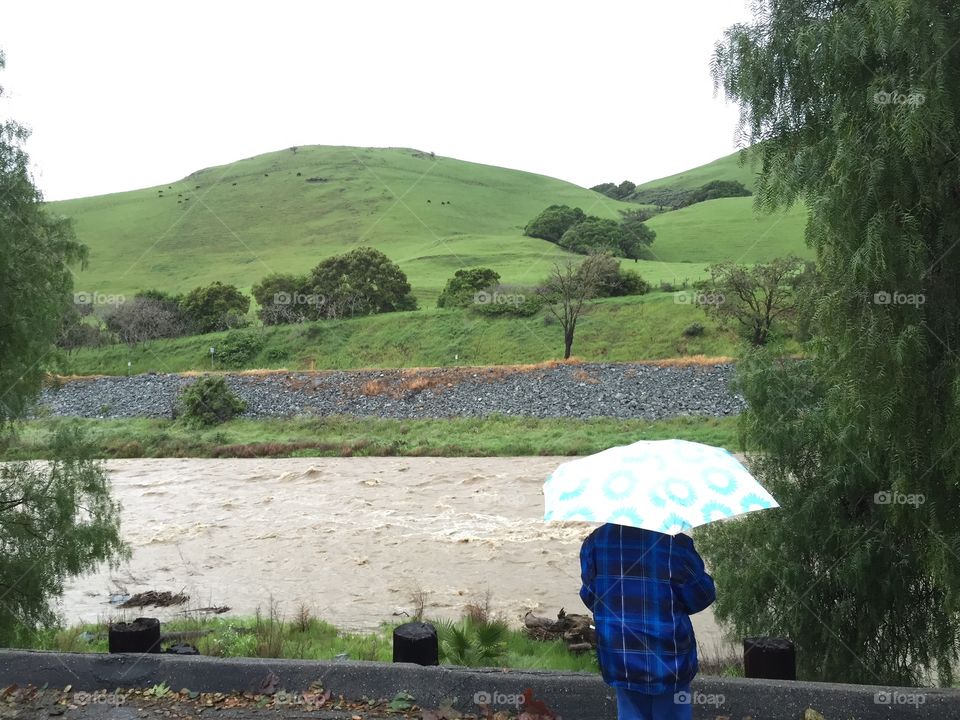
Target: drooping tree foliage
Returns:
[36, 285]
[855, 106]
[57, 519]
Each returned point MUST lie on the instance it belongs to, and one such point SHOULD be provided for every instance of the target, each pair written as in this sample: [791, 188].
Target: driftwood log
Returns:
[575, 630]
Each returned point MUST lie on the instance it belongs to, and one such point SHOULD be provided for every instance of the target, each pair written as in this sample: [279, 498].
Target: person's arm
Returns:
[694, 587]
[588, 572]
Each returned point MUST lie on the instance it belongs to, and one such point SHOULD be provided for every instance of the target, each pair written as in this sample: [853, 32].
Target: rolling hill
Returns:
[285, 211]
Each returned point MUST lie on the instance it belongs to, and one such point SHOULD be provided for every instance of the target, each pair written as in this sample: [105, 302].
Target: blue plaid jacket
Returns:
[641, 587]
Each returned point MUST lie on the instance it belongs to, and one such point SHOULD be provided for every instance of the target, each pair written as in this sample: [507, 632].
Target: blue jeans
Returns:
[633, 705]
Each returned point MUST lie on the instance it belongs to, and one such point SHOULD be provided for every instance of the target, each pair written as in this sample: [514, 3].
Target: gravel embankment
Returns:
[578, 391]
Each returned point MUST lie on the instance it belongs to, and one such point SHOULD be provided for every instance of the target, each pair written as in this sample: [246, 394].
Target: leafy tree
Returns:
[635, 236]
[215, 307]
[608, 188]
[57, 521]
[617, 192]
[461, 288]
[593, 234]
[283, 298]
[553, 222]
[852, 107]
[567, 290]
[363, 281]
[36, 287]
[754, 297]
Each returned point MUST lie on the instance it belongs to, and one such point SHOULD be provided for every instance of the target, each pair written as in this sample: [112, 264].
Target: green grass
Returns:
[728, 229]
[271, 635]
[649, 327]
[350, 436]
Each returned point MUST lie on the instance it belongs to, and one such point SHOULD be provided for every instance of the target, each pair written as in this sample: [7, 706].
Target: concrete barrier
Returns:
[570, 695]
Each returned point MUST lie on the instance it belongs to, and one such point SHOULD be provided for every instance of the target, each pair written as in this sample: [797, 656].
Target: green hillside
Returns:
[241, 221]
[725, 168]
[285, 211]
[728, 229]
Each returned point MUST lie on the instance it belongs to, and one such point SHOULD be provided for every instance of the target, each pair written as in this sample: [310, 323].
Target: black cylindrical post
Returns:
[140, 636]
[770, 658]
[416, 642]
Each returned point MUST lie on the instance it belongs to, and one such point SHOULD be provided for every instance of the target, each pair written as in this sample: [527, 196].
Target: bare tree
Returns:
[567, 289]
[142, 319]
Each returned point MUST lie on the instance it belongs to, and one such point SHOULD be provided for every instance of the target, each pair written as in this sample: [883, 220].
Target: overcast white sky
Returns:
[130, 94]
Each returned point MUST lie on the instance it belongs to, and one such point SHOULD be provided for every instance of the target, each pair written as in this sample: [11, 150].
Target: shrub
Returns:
[693, 330]
[610, 279]
[209, 401]
[238, 347]
[461, 289]
[506, 301]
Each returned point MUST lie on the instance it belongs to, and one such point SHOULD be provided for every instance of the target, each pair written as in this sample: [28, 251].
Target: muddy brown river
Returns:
[353, 539]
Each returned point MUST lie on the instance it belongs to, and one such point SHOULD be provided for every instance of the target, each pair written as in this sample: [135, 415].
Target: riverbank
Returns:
[351, 436]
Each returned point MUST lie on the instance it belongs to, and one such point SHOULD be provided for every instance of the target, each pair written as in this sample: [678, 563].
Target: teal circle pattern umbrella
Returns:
[669, 486]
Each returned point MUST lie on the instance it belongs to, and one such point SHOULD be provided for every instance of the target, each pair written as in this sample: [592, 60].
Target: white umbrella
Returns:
[665, 485]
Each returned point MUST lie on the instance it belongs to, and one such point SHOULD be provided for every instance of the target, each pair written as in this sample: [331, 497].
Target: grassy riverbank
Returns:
[348, 436]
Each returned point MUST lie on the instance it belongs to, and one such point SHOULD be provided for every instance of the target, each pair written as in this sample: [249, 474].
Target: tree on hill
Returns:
[553, 222]
[635, 236]
[855, 111]
[215, 307]
[283, 299]
[617, 192]
[57, 519]
[593, 234]
[461, 288]
[363, 281]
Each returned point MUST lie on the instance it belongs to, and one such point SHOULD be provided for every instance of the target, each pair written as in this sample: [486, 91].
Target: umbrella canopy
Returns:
[663, 485]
